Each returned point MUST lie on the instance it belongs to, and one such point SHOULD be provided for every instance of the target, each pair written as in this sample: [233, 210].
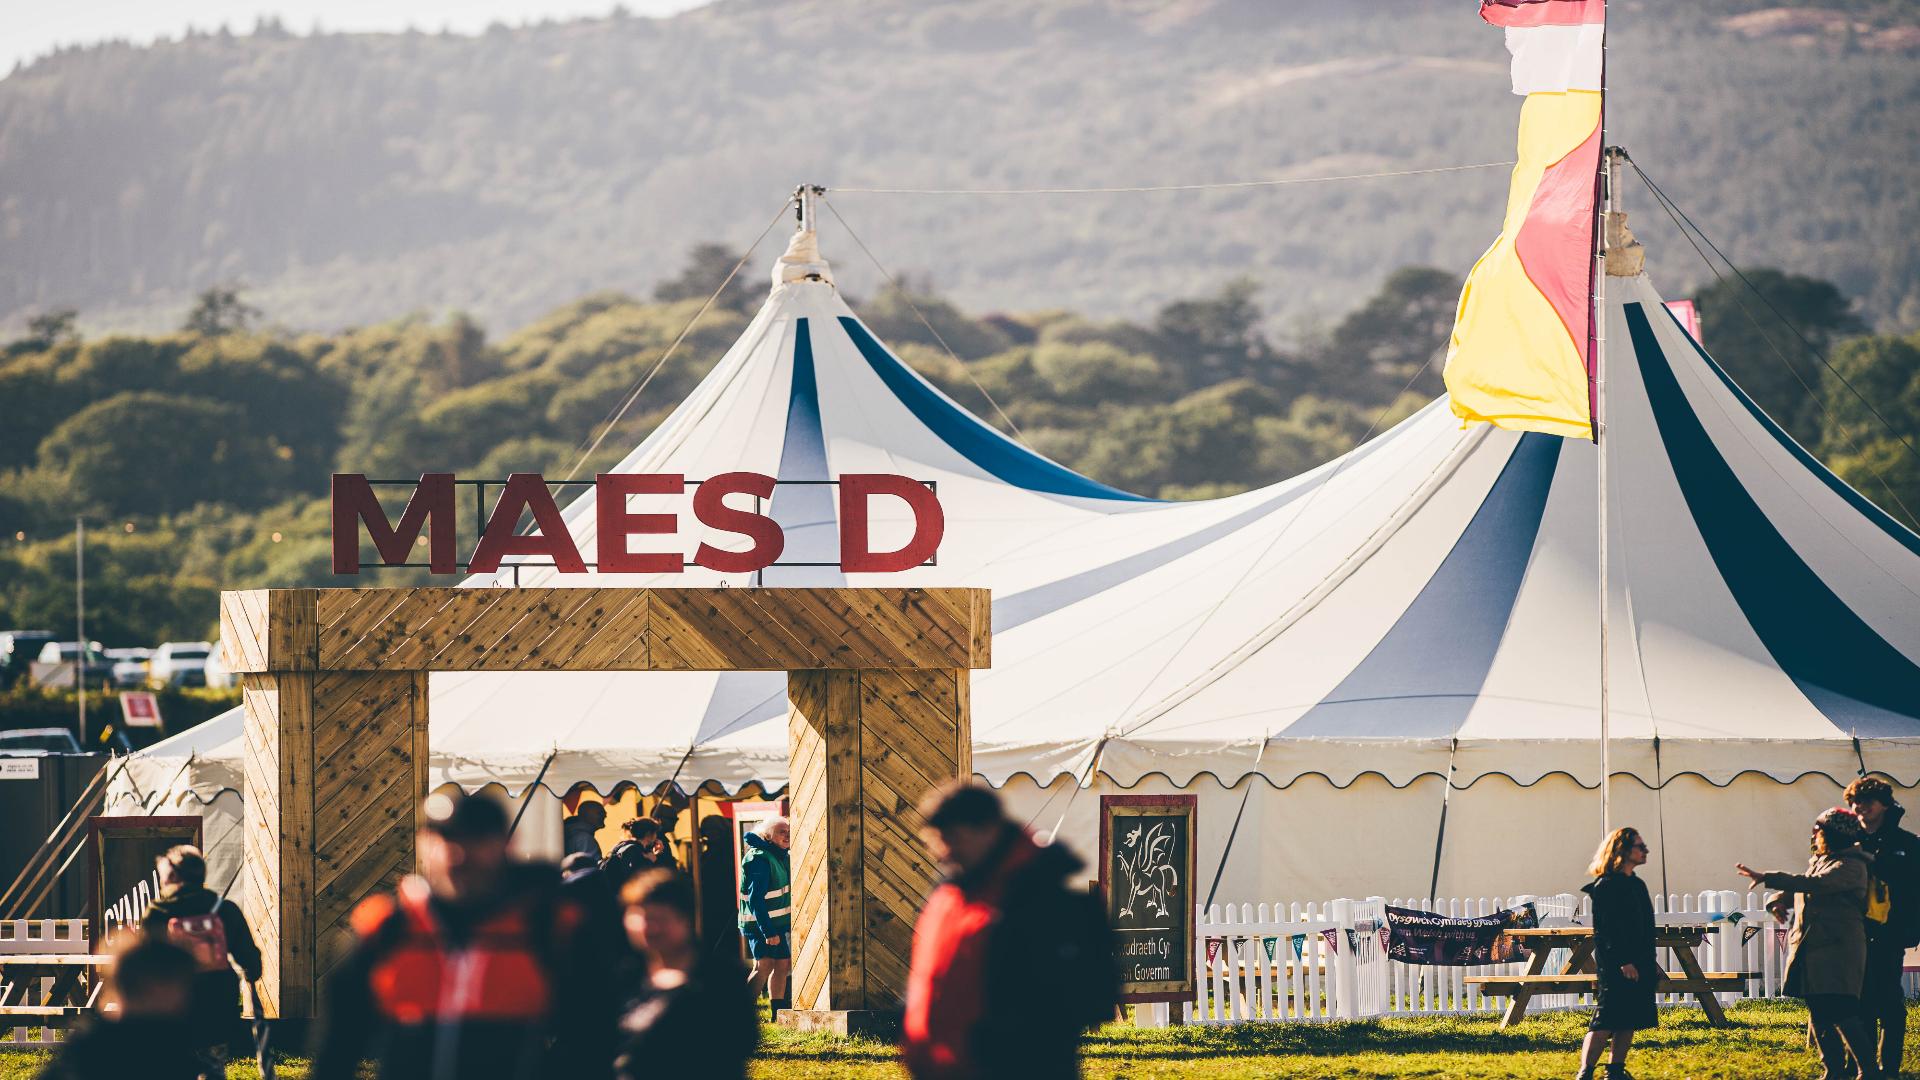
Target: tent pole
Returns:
[80, 623]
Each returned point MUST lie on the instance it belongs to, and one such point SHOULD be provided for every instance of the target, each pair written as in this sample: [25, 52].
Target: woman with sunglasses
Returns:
[1622, 952]
[1827, 947]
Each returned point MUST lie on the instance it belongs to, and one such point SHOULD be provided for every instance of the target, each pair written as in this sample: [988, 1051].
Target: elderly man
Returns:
[766, 905]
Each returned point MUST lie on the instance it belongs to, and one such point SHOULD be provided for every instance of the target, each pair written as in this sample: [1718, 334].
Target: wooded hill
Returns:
[348, 176]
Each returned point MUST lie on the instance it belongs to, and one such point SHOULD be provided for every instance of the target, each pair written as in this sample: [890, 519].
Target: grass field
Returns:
[1768, 1042]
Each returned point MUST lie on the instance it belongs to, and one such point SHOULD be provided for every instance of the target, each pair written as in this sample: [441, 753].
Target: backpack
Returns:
[204, 937]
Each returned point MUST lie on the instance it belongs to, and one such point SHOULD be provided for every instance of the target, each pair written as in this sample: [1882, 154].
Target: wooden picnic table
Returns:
[1579, 975]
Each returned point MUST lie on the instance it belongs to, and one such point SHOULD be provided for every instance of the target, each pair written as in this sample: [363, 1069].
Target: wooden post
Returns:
[865, 747]
[335, 769]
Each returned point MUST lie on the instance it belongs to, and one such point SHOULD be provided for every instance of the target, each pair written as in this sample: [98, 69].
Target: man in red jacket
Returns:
[477, 968]
[1011, 962]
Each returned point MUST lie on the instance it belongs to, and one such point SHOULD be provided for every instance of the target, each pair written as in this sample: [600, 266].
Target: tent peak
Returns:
[1624, 255]
[802, 261]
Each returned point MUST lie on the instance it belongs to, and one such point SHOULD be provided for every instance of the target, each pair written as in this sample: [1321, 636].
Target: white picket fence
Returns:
[1248, 969]
[24, 1002]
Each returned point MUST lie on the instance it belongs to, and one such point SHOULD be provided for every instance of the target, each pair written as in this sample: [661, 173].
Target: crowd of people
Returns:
[481, 966]
[1853, 914]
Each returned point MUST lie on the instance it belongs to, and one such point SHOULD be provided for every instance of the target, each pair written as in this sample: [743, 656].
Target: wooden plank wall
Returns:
[865, 747]
[370, 774]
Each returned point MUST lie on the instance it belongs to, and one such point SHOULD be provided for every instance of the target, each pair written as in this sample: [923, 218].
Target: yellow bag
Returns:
[1879, 900]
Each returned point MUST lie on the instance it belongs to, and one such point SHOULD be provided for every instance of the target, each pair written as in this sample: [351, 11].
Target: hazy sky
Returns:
[31, 27]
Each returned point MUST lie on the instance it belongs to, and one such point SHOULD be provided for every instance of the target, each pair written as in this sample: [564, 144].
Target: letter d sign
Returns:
[856, 542]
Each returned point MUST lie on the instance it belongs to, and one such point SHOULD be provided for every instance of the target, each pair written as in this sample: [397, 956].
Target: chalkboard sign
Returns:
[1146, 879]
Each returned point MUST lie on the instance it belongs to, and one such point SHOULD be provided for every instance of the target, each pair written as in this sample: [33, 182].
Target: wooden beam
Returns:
[605, 629]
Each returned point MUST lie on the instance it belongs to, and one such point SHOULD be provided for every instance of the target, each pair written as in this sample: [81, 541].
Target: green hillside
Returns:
[346, 177]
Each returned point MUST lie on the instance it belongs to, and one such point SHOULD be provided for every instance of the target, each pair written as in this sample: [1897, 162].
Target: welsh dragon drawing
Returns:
[1148, 866]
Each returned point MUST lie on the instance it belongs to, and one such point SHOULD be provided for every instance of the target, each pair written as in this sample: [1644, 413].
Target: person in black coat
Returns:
[1623, 953]
[1896, 863]
[691, 1014]
[210, 928]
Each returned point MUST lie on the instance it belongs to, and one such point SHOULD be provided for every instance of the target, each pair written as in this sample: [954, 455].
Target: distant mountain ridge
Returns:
[348, 178]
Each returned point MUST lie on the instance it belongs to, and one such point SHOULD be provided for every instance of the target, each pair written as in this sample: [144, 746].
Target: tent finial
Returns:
[1625, 256]
[802, 261]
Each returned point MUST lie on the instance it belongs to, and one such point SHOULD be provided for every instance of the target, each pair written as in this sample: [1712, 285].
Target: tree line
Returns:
[200, 457]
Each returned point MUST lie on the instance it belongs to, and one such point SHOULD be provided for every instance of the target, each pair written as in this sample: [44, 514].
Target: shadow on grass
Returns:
[1679, 1028]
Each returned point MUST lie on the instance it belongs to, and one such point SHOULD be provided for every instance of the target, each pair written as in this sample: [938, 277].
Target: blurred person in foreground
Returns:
[477, 968]
[149, 1035]
[190, 916]
[1896, 863]
[1623, 953]
[588, 884]
[1011, 962]
[1827, 948]
[691, 1014]
[766, 909]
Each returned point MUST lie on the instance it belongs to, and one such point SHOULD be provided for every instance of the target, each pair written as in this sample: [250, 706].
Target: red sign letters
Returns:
[432, 508]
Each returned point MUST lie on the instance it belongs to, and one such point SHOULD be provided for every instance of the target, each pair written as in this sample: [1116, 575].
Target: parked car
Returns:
[180, 663]
[39, 740]
[54, 667]
[18, 650]
[129, 667]
[219, 675]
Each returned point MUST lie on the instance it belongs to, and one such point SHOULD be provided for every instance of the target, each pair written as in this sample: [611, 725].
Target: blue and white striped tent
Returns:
[1421, 608]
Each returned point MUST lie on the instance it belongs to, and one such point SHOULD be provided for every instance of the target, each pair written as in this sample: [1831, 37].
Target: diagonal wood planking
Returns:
[865, 747]
[336, 737]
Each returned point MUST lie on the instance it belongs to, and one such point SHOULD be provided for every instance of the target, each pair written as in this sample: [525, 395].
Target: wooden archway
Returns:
[335, 684]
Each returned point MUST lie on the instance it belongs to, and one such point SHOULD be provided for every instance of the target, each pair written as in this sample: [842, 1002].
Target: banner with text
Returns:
[1429, 938]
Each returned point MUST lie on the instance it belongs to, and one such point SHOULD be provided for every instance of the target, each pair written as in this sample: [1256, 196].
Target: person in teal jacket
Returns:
[766, 908]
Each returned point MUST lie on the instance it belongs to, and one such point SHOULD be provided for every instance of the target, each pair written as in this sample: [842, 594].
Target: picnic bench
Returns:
[1578, 974]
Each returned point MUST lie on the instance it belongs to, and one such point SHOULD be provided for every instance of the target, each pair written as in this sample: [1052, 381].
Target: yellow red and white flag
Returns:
[1522, 348]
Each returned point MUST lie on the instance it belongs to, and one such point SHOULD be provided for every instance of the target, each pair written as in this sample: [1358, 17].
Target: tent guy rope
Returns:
[607, 425]
[1688, 229]
[1227, 185]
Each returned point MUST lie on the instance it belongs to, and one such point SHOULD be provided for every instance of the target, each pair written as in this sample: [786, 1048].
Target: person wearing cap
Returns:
[476, 968]
[1896, 862]
[212, 930]
[1827, 949]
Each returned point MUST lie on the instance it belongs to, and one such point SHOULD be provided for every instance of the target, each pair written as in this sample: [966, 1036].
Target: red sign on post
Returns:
[139, 708]
[432, 513]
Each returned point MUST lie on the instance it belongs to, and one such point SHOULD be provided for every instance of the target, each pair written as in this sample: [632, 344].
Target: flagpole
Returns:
[1601, 437]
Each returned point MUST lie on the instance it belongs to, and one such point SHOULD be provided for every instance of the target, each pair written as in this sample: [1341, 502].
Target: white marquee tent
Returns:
[1328, 662]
